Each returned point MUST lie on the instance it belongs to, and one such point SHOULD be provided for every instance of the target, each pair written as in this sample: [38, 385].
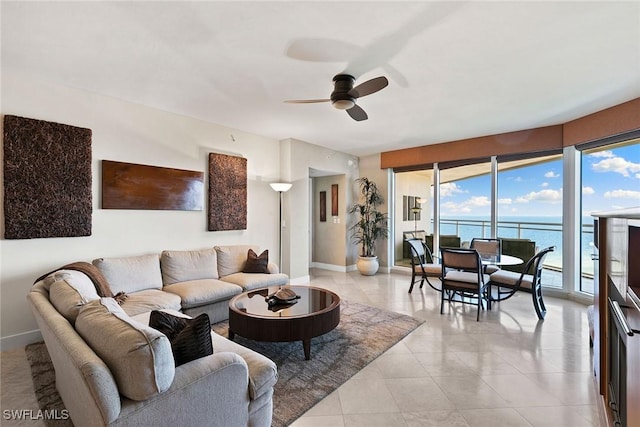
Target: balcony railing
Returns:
[543, 233]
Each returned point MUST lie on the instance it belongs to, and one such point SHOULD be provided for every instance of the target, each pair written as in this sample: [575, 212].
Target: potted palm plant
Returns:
[370, 226]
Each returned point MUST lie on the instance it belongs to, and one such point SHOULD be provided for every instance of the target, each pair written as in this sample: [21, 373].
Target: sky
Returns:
[610, 180]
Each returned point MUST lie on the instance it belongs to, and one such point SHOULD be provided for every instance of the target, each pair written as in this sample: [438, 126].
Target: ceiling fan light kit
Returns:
[344, 95]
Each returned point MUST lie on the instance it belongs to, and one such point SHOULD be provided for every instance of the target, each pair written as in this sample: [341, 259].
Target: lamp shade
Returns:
[281, 186]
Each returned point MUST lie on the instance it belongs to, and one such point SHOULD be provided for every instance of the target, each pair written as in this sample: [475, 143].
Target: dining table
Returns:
[499, 260]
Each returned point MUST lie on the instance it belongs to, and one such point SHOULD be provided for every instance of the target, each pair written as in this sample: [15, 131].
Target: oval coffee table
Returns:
[315, 313]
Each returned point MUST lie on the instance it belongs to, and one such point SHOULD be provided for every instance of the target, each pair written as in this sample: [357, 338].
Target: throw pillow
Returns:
[190, 338]
[139, 357]
[231, 258]
[257, 263]
[69, 290]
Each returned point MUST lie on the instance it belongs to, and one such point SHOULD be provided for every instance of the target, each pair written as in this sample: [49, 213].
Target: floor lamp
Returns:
[280, 187]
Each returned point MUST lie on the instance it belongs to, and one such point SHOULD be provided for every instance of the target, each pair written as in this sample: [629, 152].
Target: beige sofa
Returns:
[113, 369]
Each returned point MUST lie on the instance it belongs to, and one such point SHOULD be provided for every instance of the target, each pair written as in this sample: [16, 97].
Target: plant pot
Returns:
[368, 265]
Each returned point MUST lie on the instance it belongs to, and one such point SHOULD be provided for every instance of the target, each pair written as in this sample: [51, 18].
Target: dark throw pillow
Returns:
[257, 263]
[190, 338]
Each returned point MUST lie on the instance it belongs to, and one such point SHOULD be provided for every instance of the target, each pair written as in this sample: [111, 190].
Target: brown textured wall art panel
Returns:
[133, 186]
[227, 192]
[47, 179]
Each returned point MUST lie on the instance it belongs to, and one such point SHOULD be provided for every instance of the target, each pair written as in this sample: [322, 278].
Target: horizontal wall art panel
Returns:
[133, 186]
[227, 192]
[47, 179]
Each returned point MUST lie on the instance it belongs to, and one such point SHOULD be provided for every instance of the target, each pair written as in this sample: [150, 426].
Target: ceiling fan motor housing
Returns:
[340, 97]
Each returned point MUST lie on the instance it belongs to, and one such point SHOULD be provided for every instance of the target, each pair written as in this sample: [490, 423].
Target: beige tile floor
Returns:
[509, 369]
[506, 370]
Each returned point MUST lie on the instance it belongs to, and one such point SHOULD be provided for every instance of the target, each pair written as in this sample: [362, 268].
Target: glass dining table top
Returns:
[493, 259]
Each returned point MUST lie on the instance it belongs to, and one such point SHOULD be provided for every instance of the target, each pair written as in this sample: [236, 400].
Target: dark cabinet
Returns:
[617, 316]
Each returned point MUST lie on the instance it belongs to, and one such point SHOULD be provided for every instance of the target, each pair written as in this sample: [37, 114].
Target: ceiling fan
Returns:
[344, 95]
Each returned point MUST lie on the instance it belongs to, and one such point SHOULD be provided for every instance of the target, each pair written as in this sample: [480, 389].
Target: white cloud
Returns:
[449, 189]
[622, 194]
[467, 206]
[505, 201]
[551, 174]
[618, 165]
[544, 184]
[479, 201]
[587, 191]
[544, 196]
[605, 153]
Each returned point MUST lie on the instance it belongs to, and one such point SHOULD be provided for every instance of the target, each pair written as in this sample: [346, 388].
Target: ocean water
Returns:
[545, 231]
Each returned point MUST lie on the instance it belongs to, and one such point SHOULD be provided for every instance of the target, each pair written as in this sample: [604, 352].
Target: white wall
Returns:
[132, 133]
[296, 159]
[330, 238]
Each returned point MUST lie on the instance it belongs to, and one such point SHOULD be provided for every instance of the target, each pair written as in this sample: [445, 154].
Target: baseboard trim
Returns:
[330, 267]
[401, 270]
[20, 340]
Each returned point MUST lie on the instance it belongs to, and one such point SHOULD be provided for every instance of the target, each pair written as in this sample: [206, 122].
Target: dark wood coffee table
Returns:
[315, 313]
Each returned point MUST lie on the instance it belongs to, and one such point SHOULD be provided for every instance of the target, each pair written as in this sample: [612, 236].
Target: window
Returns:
[610, 180]
[530, 207]
[465, 203]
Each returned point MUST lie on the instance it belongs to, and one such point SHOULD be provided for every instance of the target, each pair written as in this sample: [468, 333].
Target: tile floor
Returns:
[506, 370]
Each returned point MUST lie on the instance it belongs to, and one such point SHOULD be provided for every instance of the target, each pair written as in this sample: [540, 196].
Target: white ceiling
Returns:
[455, 70]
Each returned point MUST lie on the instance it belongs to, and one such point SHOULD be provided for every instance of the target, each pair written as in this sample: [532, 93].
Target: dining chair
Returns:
[509, 282]
[463, 276]
[422, 264]
[487, 248]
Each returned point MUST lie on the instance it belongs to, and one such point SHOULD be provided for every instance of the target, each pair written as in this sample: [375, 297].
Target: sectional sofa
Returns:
[113, 369]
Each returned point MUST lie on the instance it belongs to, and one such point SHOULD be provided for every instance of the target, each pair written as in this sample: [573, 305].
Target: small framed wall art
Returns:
[323, 206]
[334, 199]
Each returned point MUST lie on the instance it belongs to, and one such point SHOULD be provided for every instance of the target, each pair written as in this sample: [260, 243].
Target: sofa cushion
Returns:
[249, 282]
[138, 356]
[131, 274]
[69, 290]
[195, 293]
[263, 373]
[148, 300]
[231, 259]
[182, 266]
[190, 338]
[256, 263]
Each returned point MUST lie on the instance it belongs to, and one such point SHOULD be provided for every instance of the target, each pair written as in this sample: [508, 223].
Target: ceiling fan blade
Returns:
[357, 113]
[306, 101]
[369, 87]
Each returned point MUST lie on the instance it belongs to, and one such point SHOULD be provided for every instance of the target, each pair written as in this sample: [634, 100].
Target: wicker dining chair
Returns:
[487, 247]
[509, 282]
[463, 277]
[422, 264]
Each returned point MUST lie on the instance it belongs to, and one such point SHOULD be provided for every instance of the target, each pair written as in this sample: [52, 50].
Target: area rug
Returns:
[364, 333]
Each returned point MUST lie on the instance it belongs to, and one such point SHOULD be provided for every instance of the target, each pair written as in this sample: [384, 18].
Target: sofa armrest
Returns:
[215, 387]
[273, 268]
